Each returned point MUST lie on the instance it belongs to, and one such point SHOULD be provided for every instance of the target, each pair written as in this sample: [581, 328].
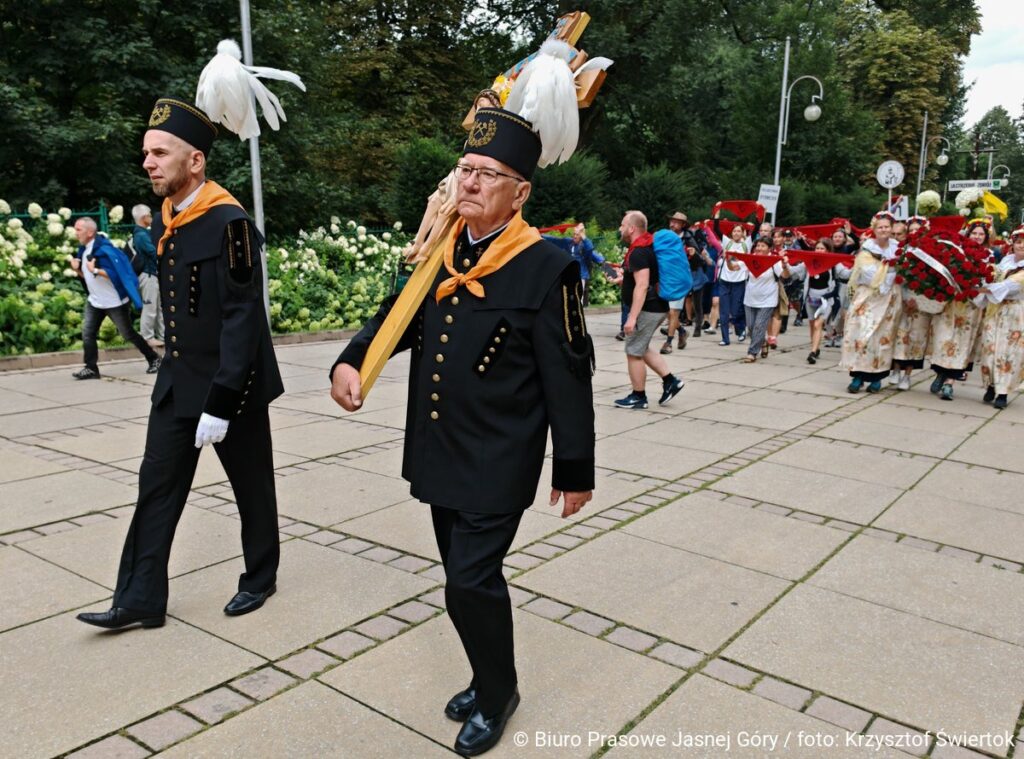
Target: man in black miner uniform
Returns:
[217, 378]
[500, 353]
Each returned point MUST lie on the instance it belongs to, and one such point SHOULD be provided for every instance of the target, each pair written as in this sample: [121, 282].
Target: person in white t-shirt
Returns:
[761, 299]
[104, 301]
[731, 274]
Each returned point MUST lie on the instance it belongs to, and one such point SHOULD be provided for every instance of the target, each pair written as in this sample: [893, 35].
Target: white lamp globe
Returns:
[942, 159]
[812, 112]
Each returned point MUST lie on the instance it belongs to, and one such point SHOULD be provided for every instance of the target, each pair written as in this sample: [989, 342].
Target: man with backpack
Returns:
[647, 297]
[151, 322]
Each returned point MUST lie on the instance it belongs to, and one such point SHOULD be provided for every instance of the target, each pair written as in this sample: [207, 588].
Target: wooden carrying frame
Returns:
[568, 28]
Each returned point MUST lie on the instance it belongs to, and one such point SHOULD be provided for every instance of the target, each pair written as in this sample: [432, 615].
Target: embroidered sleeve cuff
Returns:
[223, 402]
[572, 475]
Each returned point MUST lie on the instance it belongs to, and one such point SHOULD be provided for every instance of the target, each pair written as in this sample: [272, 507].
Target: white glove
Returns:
[211, 429]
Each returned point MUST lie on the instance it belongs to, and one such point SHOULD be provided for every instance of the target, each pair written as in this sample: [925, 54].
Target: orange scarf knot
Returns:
[210, 194]
[515, 238]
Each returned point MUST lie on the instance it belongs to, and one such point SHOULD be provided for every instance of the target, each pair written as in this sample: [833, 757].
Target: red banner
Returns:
[756, 263]
[741, 209]
[818, 263]
[558, 227]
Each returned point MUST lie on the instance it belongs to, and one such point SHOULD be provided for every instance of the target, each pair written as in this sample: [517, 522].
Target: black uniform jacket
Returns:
[218, 358]
[489, 376]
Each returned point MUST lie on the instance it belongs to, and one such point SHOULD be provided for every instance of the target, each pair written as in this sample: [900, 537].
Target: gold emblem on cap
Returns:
[481, 133]
[160, 114]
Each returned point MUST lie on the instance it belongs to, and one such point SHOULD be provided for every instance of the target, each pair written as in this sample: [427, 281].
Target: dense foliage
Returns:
[331, 278]
[688, 115]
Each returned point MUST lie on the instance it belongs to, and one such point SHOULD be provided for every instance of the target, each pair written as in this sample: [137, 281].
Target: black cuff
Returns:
[572, 475]
[222, 402]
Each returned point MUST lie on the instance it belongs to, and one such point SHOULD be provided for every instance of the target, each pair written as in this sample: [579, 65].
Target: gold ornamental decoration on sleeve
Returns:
[426, 250]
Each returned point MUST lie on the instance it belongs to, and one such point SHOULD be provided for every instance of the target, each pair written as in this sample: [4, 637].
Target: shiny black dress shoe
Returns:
[461, 705]
[244, 601]
[115, 618]
[480, 734]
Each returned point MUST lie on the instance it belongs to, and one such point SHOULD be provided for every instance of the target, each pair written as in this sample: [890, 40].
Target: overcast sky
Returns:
[996, 62]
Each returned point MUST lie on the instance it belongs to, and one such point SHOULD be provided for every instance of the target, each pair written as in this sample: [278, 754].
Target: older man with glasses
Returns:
[500, 356]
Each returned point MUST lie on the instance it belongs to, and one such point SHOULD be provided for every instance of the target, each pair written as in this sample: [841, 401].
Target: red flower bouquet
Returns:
[934, 272]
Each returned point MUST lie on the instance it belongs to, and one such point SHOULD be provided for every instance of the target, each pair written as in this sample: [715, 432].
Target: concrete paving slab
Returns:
[816, 492]
[106, 445]
[27, 503]
[33, 589]
[51, 420]
[977, 484]
[319, 439]
[786, 548]
[16, 466]
[690, 599]
[311, 720]
[857, 430]
[990, 446]
[333, 493]
[12, 402]
[715, 437]
[969, 596]
[803, 402]
[319, 592]
[651, 459]
[855, 462]
[948, 422]
[913, 670]
[94, 551]
[412, 676]
[706, 718]
[928, 515]
[737, 412]
[66, 670]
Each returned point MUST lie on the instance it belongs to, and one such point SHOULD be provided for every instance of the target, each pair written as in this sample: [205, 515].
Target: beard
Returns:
[168, 186]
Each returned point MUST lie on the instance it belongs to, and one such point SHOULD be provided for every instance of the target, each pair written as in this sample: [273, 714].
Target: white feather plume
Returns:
[544, 94]
[227, 88]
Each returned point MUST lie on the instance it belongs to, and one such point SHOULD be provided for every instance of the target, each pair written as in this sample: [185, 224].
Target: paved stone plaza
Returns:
[766, 558]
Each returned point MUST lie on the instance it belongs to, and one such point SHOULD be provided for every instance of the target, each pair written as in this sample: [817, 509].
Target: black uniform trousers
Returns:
[473, 547]
[165, 479]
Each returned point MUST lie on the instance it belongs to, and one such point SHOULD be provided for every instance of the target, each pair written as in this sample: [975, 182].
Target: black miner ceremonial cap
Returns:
[506, 137]
[185, 121]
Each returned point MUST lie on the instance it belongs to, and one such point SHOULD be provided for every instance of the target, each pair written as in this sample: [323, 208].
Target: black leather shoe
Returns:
[244, 601]
[990, 394]
[480, 734]
[461, 705]
[115, 618]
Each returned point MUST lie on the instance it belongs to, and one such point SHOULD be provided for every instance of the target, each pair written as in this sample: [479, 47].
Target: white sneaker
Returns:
[894, 377]
[904, 383]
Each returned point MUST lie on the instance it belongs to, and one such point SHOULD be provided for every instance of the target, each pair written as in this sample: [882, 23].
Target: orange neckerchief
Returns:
[516, 238]
[210, 194]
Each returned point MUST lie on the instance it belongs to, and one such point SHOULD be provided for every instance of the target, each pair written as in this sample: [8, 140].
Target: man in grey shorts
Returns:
[646, 311]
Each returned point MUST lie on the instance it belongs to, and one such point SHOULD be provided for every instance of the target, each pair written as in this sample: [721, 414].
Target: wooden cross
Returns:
[428, 247]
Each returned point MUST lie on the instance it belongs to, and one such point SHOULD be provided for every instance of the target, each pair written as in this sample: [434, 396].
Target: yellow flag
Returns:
[995, 205]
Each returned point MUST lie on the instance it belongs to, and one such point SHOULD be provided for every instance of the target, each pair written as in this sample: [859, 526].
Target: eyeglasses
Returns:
[487, 176]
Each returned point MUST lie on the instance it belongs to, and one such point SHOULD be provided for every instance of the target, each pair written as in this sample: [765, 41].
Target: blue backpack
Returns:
[674, 278]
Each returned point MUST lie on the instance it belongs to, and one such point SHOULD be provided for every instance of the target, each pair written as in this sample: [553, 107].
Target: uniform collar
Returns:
[190, 199]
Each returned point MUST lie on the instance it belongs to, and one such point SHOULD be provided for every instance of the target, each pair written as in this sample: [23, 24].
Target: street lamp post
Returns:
[1005, 179]
[942, 159]
[811, 113]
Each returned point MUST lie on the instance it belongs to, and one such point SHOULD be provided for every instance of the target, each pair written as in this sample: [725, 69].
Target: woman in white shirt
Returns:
[760, 300]
[874, 312]
[731, 275]
[1001, 351]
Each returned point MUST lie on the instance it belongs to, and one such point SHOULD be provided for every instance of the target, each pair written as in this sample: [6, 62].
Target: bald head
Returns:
[634, 224]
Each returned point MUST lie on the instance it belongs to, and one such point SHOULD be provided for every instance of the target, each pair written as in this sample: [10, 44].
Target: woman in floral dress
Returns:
[1001, 349]
[874, 311]
[955, 331]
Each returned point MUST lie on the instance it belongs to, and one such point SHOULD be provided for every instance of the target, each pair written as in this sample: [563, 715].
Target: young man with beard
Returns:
[216, 380]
